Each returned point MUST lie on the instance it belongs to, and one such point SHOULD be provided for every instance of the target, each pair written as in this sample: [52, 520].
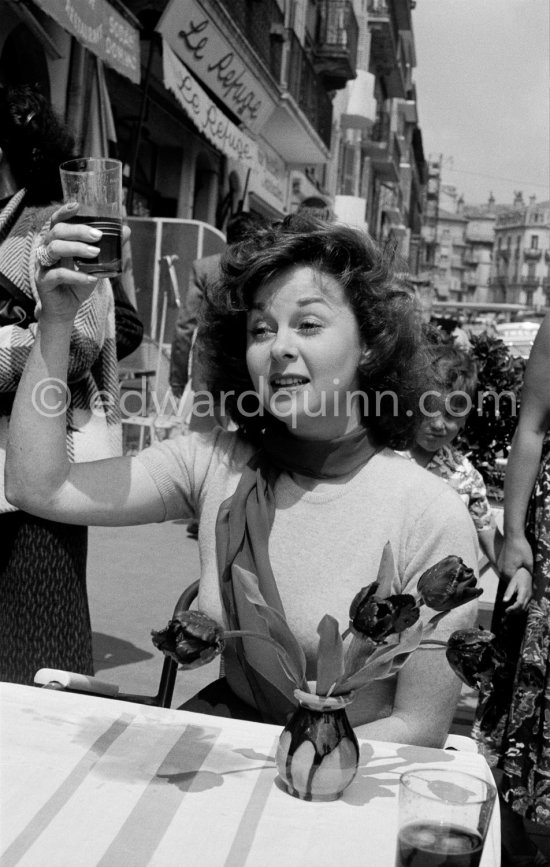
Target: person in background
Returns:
[449, 400]
[452, 333]
[44, 616]
[302, 333]
[204, 273]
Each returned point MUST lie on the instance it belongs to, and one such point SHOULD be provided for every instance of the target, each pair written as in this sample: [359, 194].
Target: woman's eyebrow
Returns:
[312, 299]
[300, 302]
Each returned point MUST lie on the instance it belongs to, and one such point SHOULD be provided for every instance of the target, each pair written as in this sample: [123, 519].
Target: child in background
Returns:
[447, 405]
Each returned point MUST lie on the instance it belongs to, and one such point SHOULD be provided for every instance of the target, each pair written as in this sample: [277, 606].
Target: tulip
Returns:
[448, 584]
[475, 657]
[376, 618]
[191, 638]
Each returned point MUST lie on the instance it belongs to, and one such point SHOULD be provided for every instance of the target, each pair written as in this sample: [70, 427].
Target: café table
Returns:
[95, 781]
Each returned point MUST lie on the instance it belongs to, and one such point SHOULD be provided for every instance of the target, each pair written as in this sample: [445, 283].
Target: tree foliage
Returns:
[491, 424]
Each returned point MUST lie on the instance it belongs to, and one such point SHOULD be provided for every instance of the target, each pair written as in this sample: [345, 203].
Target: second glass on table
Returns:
[96, 184]
[444, 816]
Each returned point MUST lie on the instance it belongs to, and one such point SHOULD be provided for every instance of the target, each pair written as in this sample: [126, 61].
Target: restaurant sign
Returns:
[191, 33]
[100, 29]
[204, 113]
[271, 177]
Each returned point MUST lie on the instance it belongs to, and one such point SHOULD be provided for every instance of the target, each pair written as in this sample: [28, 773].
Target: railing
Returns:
[532, 253]
[380, 15]
[377, 8]
[339, 28]
[256, 21]
[308, 91]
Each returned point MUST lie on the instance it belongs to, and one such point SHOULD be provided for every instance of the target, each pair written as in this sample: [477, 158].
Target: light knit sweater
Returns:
[325, 544]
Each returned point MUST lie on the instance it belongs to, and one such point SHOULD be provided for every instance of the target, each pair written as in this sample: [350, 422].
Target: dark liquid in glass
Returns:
[109, 261]
[422, 844]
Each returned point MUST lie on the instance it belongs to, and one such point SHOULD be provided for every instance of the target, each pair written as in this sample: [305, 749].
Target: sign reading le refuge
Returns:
[206, 51]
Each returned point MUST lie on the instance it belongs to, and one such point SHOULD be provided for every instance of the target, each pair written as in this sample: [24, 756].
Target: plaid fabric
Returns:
[93, 417]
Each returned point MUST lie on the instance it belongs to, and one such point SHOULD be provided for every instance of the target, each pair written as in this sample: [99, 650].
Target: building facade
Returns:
[224, 104]
[378, 154]
[520, 272]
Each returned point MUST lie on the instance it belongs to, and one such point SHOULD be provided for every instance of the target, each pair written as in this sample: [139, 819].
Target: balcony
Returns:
[385, 156]
[532, 253]
[335, 52]
[263, 26]
[308, 92]
[385, 56]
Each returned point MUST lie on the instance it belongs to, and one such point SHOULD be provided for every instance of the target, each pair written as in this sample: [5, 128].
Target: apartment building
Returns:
[520, 272]
[380, 165]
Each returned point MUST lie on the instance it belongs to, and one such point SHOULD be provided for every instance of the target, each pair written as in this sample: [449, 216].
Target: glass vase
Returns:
[318, 754]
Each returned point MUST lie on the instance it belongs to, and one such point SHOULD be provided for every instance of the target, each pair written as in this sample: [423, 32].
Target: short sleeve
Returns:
[179, 468]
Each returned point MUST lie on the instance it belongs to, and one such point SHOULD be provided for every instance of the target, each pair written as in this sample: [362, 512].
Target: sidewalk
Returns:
[135, 576]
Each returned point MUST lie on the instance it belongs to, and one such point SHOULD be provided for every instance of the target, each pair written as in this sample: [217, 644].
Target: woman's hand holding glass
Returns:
[61, 288]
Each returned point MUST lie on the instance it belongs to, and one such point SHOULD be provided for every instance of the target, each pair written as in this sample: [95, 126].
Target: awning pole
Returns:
[137, 138]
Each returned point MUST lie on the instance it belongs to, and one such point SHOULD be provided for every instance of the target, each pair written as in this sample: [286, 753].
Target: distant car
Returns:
[519, 336]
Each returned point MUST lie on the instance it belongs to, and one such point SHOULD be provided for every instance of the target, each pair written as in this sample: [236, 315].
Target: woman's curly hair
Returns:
[34, 142]
[387, 315]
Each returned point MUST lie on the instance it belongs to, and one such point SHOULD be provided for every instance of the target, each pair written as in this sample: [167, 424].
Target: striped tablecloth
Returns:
[92, 781]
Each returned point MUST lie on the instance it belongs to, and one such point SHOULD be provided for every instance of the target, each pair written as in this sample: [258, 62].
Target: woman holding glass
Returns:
[317, 355]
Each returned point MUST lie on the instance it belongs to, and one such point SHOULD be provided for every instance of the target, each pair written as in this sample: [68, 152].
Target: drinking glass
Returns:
[96, 184]
[443, 818]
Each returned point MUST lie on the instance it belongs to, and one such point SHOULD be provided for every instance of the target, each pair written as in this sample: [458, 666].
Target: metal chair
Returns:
[49, 678]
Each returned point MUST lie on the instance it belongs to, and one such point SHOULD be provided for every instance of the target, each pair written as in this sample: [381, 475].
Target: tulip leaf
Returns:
[383, 662]
[386, 572]
[291, 655]
[330, 654]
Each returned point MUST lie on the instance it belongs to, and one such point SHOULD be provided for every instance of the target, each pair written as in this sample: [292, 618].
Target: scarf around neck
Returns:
[242, 536]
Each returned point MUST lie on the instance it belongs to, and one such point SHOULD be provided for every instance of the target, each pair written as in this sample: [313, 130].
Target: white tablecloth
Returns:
[93, 781]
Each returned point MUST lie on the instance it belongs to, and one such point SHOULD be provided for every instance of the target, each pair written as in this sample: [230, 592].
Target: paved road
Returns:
[135, 576]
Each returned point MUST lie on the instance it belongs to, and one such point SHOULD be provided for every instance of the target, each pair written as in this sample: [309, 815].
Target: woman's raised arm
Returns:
[39, 477]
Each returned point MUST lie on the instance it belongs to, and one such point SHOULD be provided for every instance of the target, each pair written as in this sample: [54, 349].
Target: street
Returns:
[135, 576]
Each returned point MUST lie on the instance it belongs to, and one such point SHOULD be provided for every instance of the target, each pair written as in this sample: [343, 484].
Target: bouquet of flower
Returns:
[384, 629]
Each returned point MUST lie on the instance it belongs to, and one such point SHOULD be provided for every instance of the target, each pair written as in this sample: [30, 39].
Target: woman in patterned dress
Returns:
[523, 735]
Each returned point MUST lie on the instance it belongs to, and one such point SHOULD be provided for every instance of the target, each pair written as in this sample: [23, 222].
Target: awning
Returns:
[205, 114]
[208, 49]
[100, 29]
